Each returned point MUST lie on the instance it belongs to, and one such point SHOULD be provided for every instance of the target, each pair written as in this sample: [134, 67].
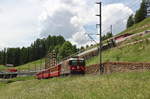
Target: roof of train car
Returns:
[85, 52]
[76, 59]
[73, 58]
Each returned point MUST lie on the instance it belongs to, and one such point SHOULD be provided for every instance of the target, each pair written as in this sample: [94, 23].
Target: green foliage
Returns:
[130, 21]
[141, 13]
[139, 16]
[108, 35]
[24, 58]
[67, 49]
[87, 46]
[82, 48]
[37, 50]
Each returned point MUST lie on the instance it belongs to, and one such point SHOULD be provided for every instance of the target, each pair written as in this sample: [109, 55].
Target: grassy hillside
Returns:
[134, 27]
[2, 67]
[29, 66]
[32, 65]
[133, 53]
[116, 86]
[144, 22]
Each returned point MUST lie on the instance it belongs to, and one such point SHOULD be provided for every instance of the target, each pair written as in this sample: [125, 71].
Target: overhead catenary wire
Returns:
[124, 16]
[118, 22]
[132, 5]
[92, 38]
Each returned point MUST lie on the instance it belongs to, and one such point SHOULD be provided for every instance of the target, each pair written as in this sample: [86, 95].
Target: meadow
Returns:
[131, 53]
[129, 85]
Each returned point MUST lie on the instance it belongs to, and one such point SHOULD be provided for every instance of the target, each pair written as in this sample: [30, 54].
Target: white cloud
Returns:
[18, 23]
[69, 18]
[116, 15]
[22, 21]
[60, 23]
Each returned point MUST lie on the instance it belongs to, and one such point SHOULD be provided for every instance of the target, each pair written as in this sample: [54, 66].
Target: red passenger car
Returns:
[69, 66]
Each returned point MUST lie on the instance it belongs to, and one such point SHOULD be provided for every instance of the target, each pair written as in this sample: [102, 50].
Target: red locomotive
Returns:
[69, 66]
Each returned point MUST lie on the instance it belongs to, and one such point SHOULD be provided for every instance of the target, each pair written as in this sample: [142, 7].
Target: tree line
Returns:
[37, 50]
[139, 16]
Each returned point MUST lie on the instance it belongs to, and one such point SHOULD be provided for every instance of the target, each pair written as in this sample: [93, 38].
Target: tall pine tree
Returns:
[141, 13]
[130, 21]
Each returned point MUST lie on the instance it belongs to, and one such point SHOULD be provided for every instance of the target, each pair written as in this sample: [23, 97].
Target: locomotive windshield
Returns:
[77, 62]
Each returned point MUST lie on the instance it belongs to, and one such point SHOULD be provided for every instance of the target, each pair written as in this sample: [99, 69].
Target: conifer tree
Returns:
[141, 13]
[130, 21]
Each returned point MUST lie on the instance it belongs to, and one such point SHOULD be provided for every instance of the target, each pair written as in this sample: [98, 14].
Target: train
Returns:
[95, 51]
[9, 73]
[71, 66]
[110, 43]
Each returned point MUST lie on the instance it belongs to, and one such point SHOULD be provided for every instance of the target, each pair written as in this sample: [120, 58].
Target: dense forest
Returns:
[37, 50]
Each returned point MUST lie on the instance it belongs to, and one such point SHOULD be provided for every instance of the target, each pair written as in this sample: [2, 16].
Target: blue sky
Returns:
[126, 2]
[23, 21]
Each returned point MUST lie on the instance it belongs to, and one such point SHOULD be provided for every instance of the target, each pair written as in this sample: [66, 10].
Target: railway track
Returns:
[7, 75]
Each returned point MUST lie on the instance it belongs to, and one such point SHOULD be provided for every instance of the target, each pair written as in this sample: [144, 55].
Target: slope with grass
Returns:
[136, 28]
[32, 65]
[132, 53]
[39, 64]
[3, 67]
[116, 86]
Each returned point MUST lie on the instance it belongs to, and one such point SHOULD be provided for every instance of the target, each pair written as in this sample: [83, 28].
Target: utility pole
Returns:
[4, 57]
[100, 35]
[111, 29]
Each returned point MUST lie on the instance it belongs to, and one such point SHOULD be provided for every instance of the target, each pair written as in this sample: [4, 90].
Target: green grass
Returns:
[138, 25]
[2, 67]
[132, 53]
[5, 82]
[32, 65]
[131, 85]
[29, 66]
